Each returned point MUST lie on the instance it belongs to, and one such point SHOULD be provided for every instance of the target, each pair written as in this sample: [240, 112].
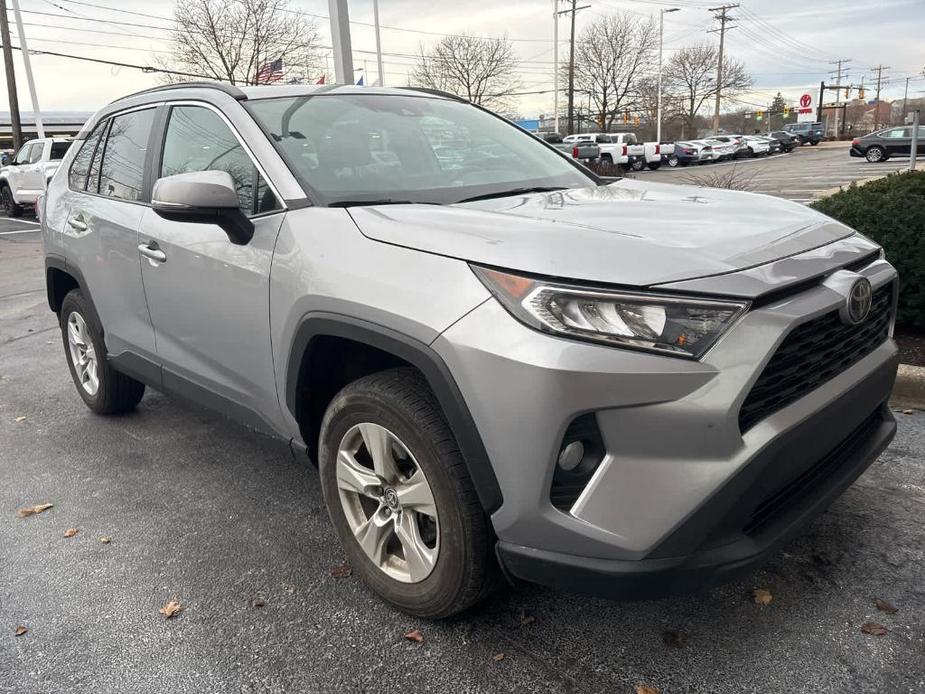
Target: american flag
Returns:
[270, 72]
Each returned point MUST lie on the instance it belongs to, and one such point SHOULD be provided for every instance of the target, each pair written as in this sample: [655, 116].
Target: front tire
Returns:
[102, 388]
[875, 154]
[10, 208]
[400, 496]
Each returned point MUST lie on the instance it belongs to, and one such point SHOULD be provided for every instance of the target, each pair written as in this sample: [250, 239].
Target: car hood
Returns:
[629, 232]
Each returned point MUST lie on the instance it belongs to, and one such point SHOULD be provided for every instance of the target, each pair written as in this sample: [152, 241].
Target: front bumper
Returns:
[669, 427]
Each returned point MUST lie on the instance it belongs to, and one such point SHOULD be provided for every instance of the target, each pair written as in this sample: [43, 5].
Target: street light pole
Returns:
[555, 60]
[340, 39]
[661, 41]
[27, 63]
[378, 43]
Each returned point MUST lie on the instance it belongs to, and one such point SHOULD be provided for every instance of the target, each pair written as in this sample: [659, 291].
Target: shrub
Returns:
[891, 211]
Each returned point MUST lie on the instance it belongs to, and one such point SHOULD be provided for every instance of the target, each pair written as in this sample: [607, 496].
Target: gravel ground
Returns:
[208, 513]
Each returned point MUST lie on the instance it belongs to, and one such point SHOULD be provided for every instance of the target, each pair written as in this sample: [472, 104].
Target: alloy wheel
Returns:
[388, 502]
[83, 354]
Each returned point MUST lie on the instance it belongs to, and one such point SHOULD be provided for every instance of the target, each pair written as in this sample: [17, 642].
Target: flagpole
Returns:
[378, 43]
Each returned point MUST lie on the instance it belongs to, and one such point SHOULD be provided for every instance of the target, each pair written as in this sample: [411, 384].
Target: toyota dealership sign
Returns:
[806, 111]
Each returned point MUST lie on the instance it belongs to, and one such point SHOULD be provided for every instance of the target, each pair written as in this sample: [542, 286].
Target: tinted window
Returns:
[896, 133]
[199, 140]
[123, 163]
[77, 178]
[58, 150]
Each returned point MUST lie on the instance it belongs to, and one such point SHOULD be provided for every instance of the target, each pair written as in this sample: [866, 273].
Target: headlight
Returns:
[680, 326]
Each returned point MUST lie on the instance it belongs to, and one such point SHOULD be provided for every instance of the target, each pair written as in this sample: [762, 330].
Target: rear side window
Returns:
[198, 139]
[123, 162]
[80, 169]
[58, 150]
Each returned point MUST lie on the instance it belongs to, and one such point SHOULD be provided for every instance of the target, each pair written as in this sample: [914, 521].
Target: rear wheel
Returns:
[673, 161]
[400, 497]
[638, 165]
[875, 153]
[102, 388]
[10, 208]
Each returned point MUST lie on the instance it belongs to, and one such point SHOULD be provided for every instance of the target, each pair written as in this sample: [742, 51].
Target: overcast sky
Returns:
[786, 45]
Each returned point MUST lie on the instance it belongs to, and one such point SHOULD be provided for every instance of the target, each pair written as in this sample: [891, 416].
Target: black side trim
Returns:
[138, 367]
[426, 360]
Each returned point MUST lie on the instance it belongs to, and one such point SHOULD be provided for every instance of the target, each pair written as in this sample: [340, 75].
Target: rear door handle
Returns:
[152, 251]
[77, 223]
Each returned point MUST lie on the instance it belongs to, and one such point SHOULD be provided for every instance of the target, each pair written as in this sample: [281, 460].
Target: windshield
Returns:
[396, 148]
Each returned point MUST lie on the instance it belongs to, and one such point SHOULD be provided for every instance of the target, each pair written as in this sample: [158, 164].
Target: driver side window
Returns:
[22, 156]
[198, 139]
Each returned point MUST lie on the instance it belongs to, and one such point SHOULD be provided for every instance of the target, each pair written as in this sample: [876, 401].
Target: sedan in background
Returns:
[787, 141]
[890, 142]
[686, 153]
[757, 146]
[723, 148]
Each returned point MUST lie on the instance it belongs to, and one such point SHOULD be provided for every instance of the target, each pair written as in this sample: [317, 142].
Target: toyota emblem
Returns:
[858, 301]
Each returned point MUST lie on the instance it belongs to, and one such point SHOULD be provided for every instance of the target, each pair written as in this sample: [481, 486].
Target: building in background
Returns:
[57, 124]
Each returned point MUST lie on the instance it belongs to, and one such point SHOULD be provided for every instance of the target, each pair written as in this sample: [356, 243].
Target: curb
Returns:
[909, 390]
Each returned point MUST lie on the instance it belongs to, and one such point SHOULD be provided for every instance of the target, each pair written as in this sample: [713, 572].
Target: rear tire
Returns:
[638, 165]
[10, 208]
[102, 388]
[459, 569]
[674, 162]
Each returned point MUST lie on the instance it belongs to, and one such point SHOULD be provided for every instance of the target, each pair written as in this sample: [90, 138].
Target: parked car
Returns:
[756, 146]
[886, 143]
[25, 177]
[788, 142]
[705, 151]
[724, 149]
[774, 145]
[613, 152]
[807, 133]
[685, 153]
[740, 148]
[582, 150]
[638, 155]
[490, 366]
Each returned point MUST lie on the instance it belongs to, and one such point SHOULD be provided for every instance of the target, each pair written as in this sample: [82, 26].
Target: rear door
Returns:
[108, 196]
[208, 298]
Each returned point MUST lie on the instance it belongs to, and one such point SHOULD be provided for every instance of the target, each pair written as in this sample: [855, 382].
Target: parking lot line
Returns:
[23, 221]
[20, 231]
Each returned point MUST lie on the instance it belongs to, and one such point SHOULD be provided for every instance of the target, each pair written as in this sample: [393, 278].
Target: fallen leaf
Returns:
[170, 609]
[884, 606]
[873, 629]
[645, 689]
[674, 639]
[415, 635]
[904, 412]
[498, 657]
[105, 540]
[526, 619]
[21, 630]
[258, 602]
[31, 510]
[20, 419]
[762, 596]
[341, 570]
[70, 532]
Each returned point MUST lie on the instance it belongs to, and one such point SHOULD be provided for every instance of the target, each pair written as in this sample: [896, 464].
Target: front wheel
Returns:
[400, 497]
[875, 154]
[10, 208]
[102, 388]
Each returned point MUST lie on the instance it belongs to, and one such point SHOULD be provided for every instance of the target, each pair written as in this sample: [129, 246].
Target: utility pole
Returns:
[27, 62]
[555, 60]
[914, 152]
[906, 97]
[378, 43]
[661, 41]
[340, 39]
[11, 77]
[838, 76]
[571, 73]
[879, 70]
[722, 17]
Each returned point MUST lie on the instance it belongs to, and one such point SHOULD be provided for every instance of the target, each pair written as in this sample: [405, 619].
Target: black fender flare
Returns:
[427, 361]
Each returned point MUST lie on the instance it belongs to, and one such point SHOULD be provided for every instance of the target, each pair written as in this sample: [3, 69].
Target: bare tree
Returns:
[483, 70]
[690, 78]
[611, 57]
[231, 40]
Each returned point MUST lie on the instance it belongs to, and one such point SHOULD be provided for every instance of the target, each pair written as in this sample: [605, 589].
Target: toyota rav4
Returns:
[502, 364]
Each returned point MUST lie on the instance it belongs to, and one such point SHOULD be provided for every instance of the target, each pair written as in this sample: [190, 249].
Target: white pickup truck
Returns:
[26, 176]
[624, 149]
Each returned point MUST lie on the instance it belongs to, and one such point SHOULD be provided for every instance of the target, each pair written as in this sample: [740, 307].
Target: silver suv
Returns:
[501, 363]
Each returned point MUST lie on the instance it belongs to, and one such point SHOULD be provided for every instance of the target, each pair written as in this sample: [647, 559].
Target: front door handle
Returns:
[152, 251]
[77, 223]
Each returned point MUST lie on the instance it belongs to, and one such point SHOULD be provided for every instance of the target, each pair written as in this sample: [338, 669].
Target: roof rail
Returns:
[229, 89]
[437, 92]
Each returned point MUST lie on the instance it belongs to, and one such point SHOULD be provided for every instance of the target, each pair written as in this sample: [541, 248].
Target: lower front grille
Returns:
[812, 354]
[812, 478]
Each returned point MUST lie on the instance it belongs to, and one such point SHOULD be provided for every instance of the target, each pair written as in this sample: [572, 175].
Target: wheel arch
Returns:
[61, 279]
[312, 381]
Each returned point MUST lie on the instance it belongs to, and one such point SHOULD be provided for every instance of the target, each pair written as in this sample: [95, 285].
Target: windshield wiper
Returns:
[512, 191]
[384, 201]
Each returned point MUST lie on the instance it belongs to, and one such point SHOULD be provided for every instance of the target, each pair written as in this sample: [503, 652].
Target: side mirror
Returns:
[204, 197]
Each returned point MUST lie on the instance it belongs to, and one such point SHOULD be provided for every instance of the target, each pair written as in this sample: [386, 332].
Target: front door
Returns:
[26, 179]
[209, 298]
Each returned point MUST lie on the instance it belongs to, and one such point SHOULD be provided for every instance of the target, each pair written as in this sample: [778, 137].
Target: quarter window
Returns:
[123, 162]
[77, 178]
[198, 139]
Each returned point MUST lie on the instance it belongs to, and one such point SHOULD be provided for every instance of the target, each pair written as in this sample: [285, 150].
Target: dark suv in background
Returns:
[812, 133]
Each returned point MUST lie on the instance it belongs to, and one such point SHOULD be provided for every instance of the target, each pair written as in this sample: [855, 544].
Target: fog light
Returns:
[571, 455]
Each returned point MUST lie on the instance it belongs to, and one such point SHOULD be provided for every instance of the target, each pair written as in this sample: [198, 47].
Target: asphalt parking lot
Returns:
[206, 512]
[800, 176]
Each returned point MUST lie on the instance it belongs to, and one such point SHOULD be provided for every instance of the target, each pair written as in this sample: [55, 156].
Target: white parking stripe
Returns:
[20, 221]
[20, 231]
